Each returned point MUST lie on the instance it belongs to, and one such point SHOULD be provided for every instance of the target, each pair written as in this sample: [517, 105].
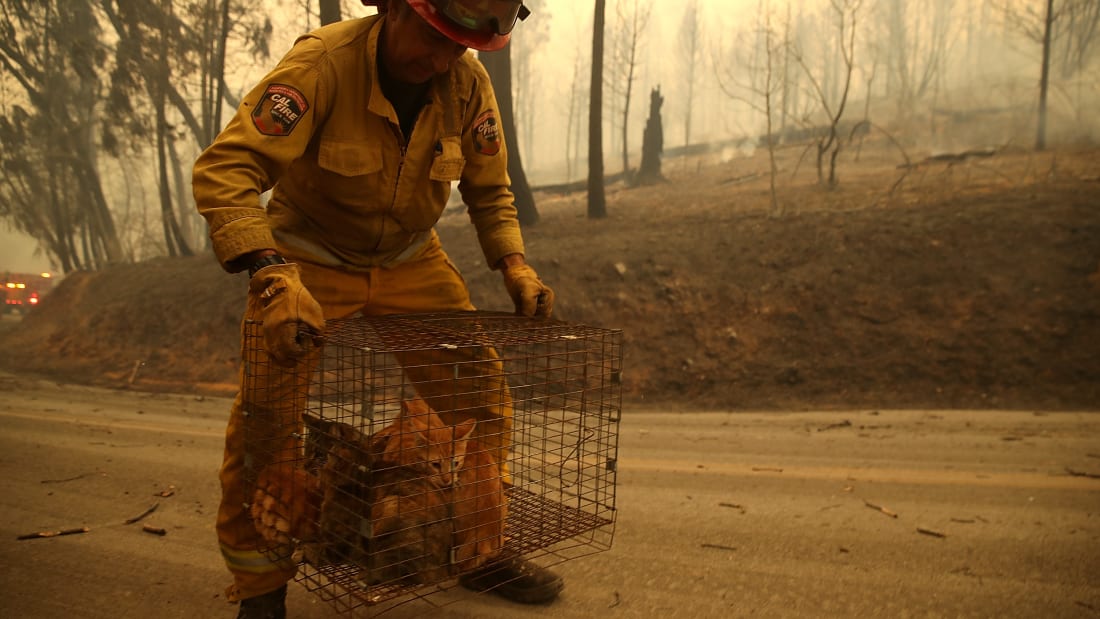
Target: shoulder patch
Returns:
[487, 134]
[279, 110]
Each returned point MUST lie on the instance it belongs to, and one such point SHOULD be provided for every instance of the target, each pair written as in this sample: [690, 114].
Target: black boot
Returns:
[515, 579]
[267, 606]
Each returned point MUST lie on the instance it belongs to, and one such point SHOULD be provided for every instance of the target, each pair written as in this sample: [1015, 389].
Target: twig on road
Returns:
[734, 506]
[832, 426]
[924, 531]
[1082, 474]
[769, 469]
[41, 534]
[61, 481]
[148, 528]
[142, 514]
[717, 547]
[880, 508]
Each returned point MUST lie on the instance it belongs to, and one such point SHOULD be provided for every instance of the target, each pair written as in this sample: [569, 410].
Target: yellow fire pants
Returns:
[269, 406]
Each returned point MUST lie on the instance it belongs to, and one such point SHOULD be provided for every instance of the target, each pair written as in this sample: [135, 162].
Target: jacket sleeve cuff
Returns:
[499, 243]
[239, 237]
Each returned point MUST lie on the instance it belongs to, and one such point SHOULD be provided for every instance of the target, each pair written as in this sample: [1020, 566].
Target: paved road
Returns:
[720, 514]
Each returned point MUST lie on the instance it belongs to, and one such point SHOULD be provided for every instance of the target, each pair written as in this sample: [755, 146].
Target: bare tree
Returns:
[756, 81]
[157, 86]
[330, 11]
[573, 121]
[691, 56]
[597, 201]
[1081, 19]
[632, 20]
[844, 14]
[1044, 80]
[653, 142]
[1066, 33]
[915, 42]
[158, 52]
[1074, 31]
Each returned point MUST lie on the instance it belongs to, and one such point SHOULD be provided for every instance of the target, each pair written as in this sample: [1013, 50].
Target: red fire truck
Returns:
[22, 291]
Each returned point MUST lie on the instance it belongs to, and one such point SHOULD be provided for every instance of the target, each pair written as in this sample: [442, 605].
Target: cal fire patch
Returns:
[487, 134]
[279, 110]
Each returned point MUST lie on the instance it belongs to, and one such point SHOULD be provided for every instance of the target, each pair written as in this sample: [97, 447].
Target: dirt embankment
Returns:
[965, 285]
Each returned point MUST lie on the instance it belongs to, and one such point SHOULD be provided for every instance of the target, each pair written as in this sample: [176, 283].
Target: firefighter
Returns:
[359, 132]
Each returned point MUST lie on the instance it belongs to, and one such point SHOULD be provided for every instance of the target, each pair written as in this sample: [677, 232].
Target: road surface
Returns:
[720, 514]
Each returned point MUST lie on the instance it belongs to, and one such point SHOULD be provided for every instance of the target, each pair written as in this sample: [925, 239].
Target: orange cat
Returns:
[419, 439]
[479, 510]
[435, 490]
[415, 503]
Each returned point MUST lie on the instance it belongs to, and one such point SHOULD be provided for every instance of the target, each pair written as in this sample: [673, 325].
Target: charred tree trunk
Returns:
[597, 201]
[330, 11]
[1044, 79]
[653, 142]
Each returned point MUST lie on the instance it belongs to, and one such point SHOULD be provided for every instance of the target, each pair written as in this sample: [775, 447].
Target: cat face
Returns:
[424, 442]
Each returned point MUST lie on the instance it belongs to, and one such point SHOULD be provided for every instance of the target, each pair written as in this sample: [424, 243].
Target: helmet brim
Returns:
[481, 41]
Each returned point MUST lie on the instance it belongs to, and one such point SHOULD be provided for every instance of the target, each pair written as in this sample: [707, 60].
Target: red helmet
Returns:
[484, 25]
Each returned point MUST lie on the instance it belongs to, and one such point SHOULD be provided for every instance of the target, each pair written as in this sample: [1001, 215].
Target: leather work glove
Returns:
[292, 319]
[286, 504]
[530, 295]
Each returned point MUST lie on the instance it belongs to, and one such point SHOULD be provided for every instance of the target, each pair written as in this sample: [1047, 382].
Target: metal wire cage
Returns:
[412, 449]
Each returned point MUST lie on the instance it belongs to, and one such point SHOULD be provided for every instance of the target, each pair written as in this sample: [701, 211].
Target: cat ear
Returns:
[464, 429]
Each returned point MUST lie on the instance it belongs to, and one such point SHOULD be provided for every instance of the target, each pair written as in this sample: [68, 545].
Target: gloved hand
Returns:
[530, 295]
[292, 319]
[286, 504]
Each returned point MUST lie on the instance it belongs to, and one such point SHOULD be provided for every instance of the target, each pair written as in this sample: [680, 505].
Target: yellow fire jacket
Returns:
[349, 190]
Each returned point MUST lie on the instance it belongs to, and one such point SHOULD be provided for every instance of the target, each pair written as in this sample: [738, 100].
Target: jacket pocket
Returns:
[349, 158]
[448, 163]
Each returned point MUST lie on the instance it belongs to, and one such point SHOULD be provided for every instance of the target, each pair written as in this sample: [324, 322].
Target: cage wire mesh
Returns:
[363, 466]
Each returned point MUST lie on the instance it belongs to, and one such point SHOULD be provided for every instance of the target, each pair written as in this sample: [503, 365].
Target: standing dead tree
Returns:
[763, 84]
[574, 112]
[653, 142]
[1044, 80]
[631, 23]
[597, 199]
[330, 11]
[691, 46]
[914, 38]
[828, 140]
[1074, 30]
[1067, 32]
[573, 134]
